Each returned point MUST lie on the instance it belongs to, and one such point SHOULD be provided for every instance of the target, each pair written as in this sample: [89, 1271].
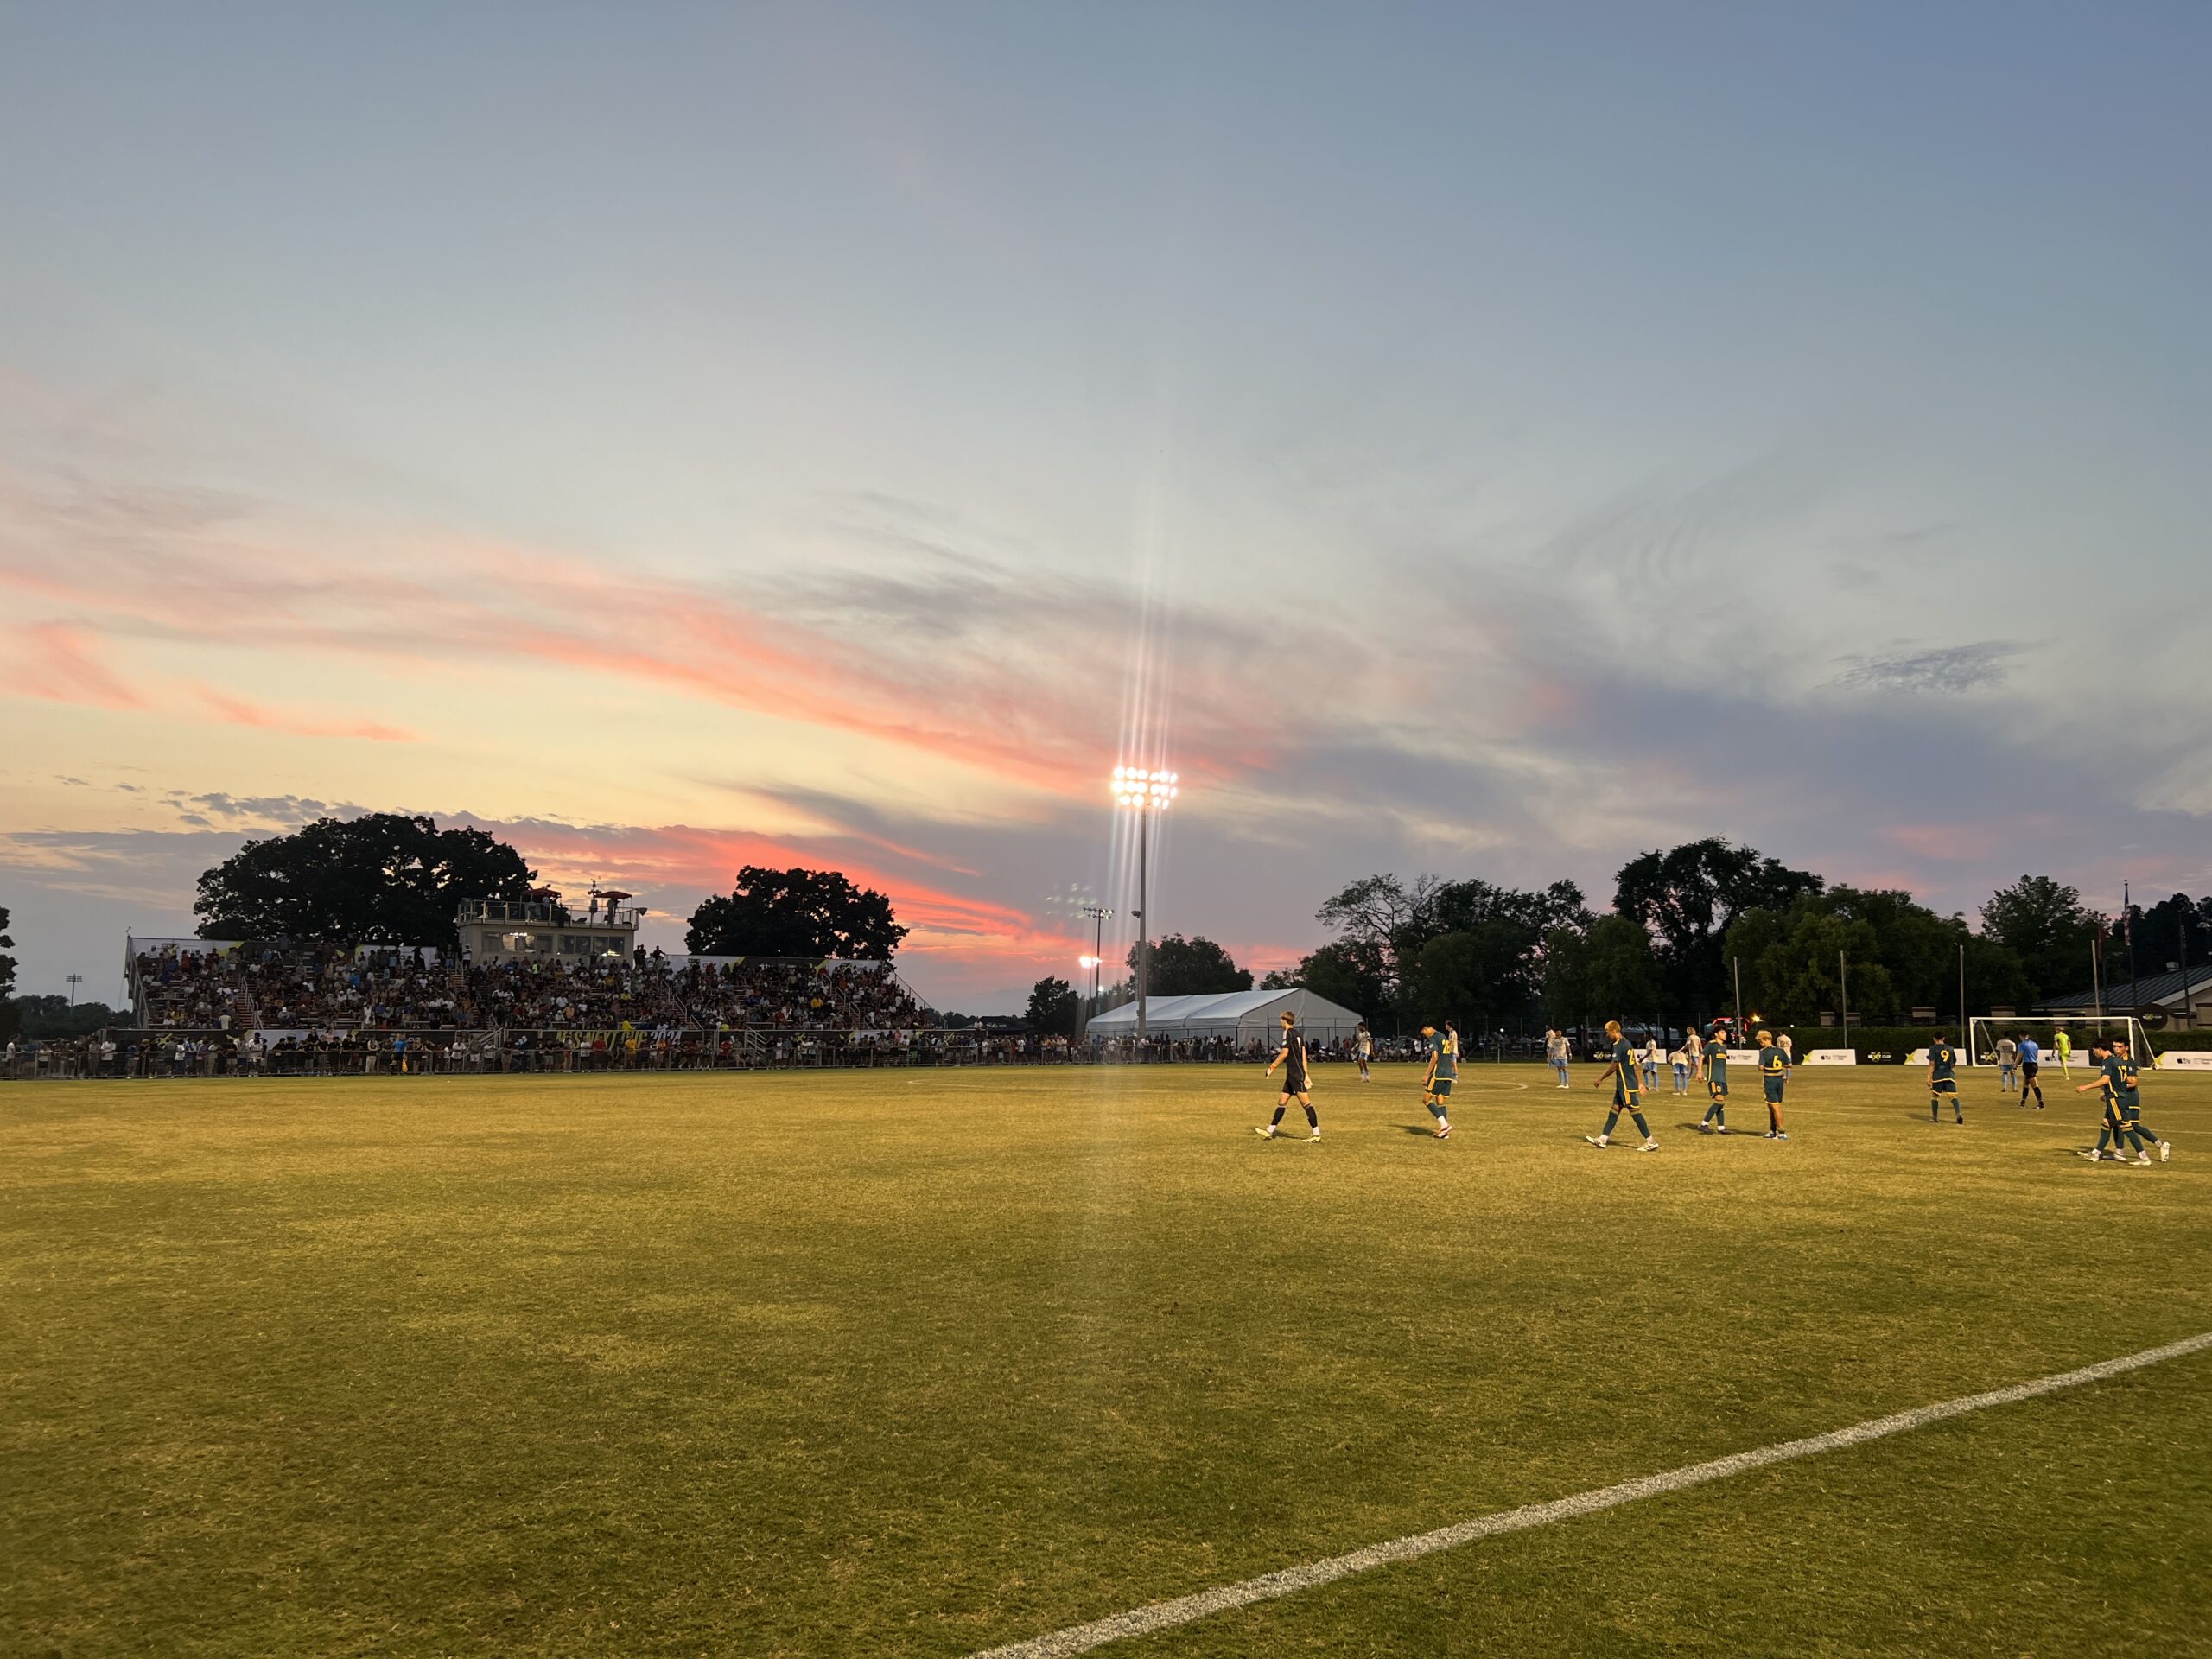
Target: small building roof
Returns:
[2151, 990]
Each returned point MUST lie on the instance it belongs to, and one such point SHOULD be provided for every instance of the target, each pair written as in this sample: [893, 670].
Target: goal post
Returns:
[1985, 1032]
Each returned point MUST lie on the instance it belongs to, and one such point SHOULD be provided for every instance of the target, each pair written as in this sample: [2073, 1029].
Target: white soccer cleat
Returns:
[1265, 1131]
[2143, 1158]
[2165, 1150]
[2091, 1154]
[1595, 1139]
[1648, 1145]
[1316, 1135]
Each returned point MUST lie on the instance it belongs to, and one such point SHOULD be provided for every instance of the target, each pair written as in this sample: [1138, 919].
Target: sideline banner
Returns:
[1831, 1057]
[2187, 1059]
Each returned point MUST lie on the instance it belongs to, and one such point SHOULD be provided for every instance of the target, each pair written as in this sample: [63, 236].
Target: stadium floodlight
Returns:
[1099, 915]
[1143, 792]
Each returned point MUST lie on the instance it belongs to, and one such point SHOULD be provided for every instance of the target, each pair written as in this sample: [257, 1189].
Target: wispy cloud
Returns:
[239, 712]
[1948, 670]
[58, 661]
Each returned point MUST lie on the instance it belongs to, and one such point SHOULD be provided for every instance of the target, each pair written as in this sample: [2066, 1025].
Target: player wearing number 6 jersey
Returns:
[1628, 1092]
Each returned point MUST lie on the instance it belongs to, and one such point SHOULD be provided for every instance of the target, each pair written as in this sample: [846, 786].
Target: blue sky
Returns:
[1492, 441]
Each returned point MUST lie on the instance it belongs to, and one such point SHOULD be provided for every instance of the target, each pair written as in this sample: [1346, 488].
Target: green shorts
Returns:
[1945, 1085]
[1717, 1087]
[1626, 1099]
[1774, 1091]
[1440, 1087]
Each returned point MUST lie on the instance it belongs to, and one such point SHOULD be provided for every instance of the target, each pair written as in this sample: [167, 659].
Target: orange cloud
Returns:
[1011, 674]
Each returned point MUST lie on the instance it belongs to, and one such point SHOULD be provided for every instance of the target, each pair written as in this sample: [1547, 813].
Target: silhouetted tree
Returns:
[1190, 967]
[1686, 897]
[385, 876]
[1053, 1006]
[795, 913]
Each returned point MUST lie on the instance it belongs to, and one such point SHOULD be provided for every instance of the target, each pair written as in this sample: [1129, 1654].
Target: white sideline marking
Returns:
[1166, 1615]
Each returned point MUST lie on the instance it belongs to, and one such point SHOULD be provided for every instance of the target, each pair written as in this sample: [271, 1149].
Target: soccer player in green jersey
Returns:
[1443, 1071]
[1944, 1080]
[2130, 1107]
[2106, 1083]
[1714, 1069]
[1774, 1077]
[1628, 1092]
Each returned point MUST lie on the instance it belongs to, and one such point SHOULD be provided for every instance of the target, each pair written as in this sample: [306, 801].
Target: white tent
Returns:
[1248, 1016]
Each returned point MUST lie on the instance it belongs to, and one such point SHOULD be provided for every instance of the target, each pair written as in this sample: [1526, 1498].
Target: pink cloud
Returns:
[239, 712]
[55, 661]
[1011, 674]
[1947, 842]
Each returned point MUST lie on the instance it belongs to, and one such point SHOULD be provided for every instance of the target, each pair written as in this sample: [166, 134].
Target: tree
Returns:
[1621, 974]
[2176, 930]
[1901, 954]
[1566, 976]
[1472, 978]
[1388, 923]
[383, 877]
[795, 913]
[1192, 967]
[1053, 1005]
[2045, 924]
[1349, 976]
[50, 1016]
[1385, 919]
[1688, 896]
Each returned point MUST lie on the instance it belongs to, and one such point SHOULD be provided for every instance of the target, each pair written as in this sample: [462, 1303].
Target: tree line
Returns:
[1689, 924]
[1688, 928]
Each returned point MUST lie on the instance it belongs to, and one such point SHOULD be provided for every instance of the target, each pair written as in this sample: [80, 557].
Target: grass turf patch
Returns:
[916, 1362]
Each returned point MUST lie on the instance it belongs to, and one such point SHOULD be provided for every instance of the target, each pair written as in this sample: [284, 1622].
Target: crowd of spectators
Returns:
[196, 988]
[282, 987]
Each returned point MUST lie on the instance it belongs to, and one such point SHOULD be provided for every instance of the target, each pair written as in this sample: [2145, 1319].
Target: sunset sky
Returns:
[1485, 441]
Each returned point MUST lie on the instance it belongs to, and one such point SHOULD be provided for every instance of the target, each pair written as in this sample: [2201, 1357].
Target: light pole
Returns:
[1144, 793]
[75, 980]
[1100, 915]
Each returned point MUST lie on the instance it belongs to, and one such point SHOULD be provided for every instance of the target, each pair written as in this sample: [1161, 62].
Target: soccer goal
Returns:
[1984, 1034]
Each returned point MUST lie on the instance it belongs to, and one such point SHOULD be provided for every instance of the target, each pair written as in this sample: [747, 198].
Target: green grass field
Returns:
[913, 1363]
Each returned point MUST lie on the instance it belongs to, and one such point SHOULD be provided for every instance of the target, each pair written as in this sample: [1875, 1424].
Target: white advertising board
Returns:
[1743, 1057]
[2187, 1059]
[1831, 1057]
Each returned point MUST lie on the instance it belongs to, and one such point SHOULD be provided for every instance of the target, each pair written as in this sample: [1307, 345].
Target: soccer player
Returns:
[1557, 1052]
[1443, 1071]
[1680, 1060]
[2008, 1054]
[2106, 1083]
[1292, 1057]
[1628, 1092]
[2030, 1063]
[2131, 1107]
[1693, 1051]
[1715, 1070]
[1774, 1076]
[1363, 1049]
[1651, 1060]
[2064, 1042]
[1942, 1080]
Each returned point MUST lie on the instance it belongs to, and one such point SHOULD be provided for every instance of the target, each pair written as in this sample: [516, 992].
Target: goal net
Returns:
[1984, 1034]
